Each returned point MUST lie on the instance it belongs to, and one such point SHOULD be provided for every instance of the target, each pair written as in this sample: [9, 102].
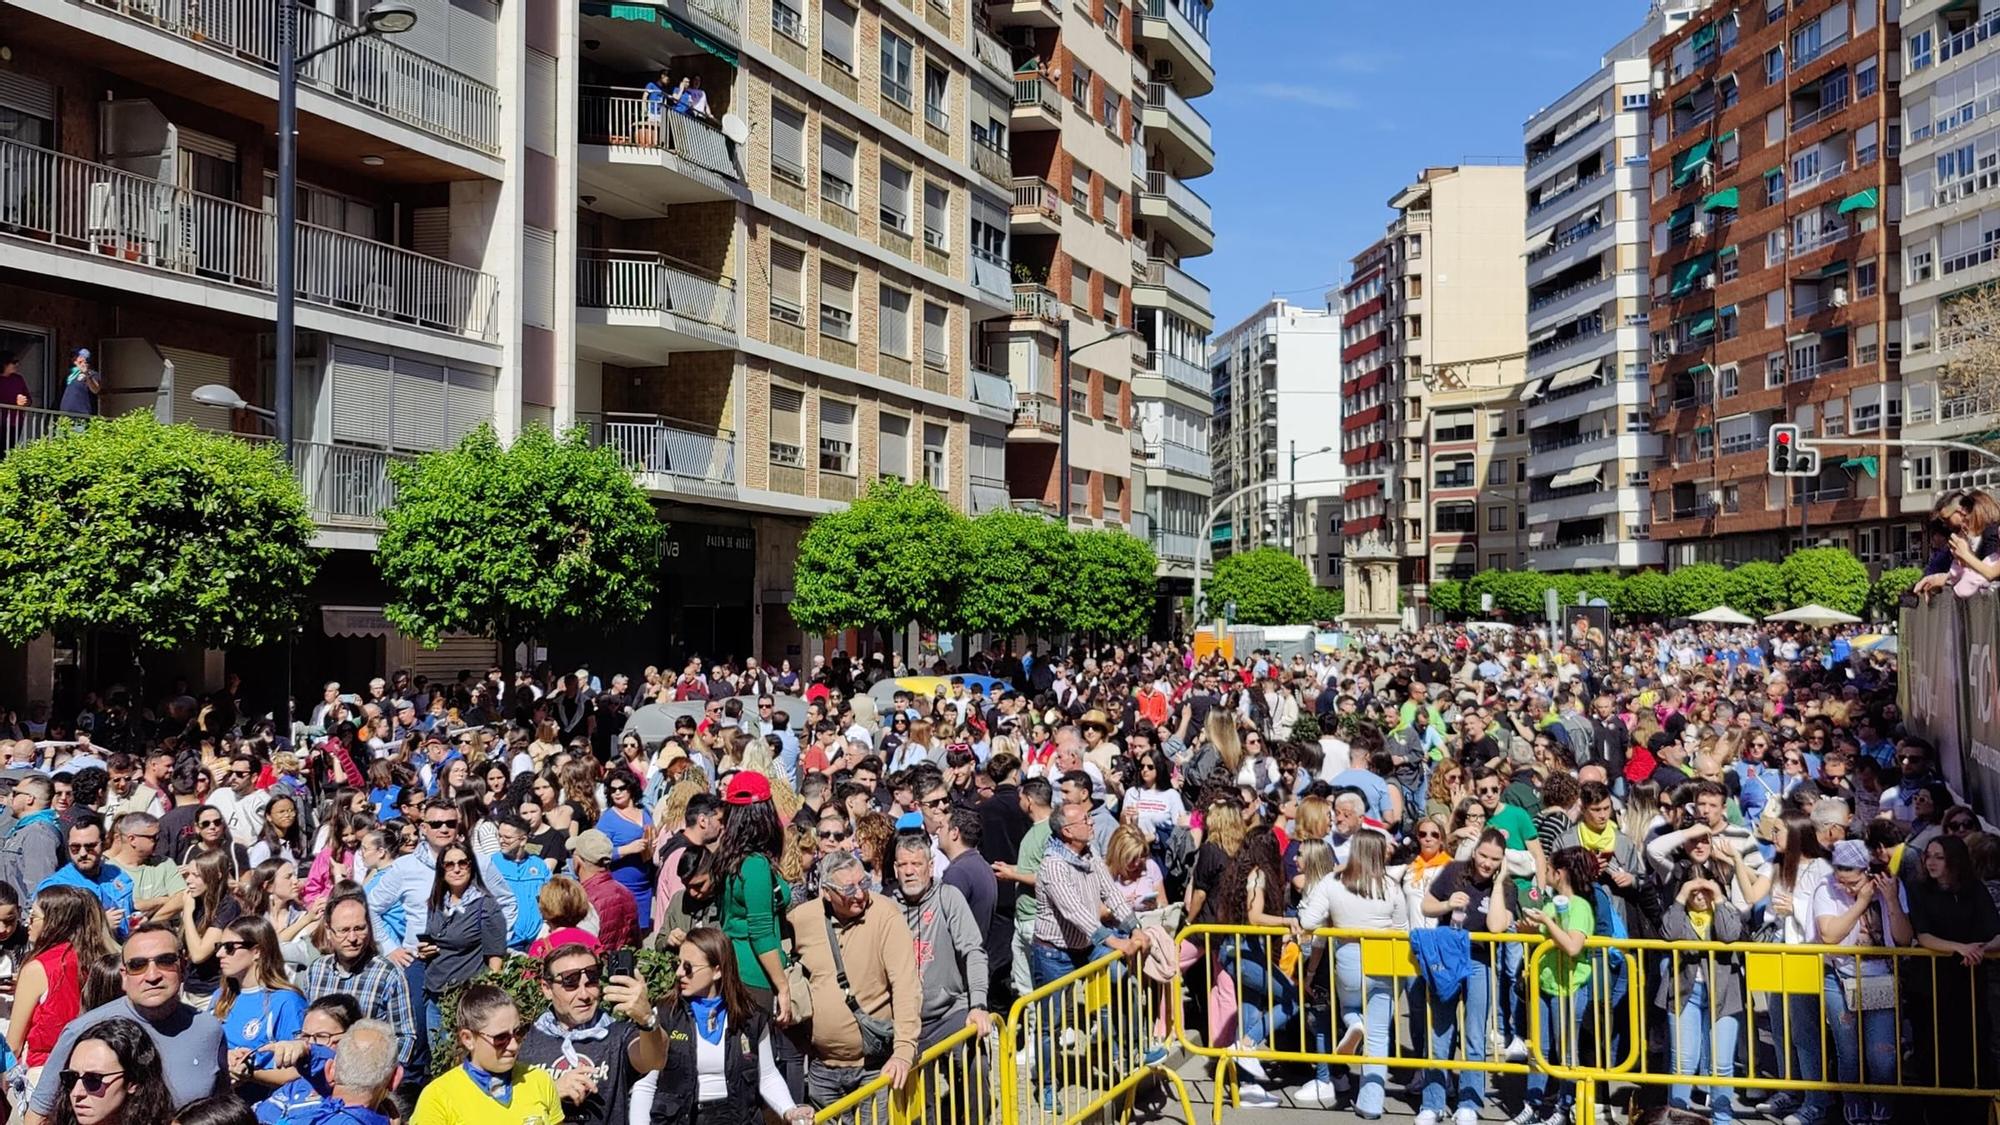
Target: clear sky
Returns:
[1323, 108]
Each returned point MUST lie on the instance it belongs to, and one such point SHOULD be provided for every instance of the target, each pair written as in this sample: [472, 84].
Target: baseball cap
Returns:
[746, 787]
[592, 847]
[910, 822]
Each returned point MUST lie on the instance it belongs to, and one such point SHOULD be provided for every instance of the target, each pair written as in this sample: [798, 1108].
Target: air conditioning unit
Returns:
[1163, 70]
[1707, 175]
[1839, 298]
[1663, 353]
[1708, 282]
[1698, 228]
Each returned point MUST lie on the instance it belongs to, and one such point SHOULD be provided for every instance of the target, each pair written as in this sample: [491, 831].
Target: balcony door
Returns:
[27, 120]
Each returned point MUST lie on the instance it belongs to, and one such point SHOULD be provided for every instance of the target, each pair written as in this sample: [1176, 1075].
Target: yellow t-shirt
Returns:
[453, 1099]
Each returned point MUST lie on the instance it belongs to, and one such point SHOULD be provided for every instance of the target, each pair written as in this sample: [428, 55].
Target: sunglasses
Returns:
[835, 834]
[137, 965]
[455, 864]
[208, 824]
[231, 946]
[85, 849]
[501, 1040]
[689, 968]
[441, 823]
[1429, 834]
[93, 1082]
[849, 890]
[1488, 791]
[577, 978]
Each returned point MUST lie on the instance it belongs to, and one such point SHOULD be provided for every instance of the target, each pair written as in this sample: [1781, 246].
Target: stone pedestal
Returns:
[1371, 593]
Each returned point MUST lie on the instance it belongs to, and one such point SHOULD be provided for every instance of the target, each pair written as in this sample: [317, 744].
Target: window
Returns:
[1114, 303]
[937, 95]
[1079, 285]
[1111, 17]
[1113, 204]
[1774, 371]
[1920, 264]
[788, 20]
[1108, 108]
[1114, 497]
[788, 426]
[1114, 390]
[788, 143]
[836, 33]
[1496, 472]
[1920, 51]
[1727, 92]
[895, 196]
[1079, 188]
[896, 61]
[788, 283]
[1865, 280]
[1864, 78]
[1634, 101]
[1416, 246]
[1923, 472]
[836, 437]
[836, 168]
[1079, 87]
[1728, 267]
[1774, 185]
[1774, 66]
[1456, 518]
[894, 323]
[836, 301]
[937, 324]
[1496, 519]
[893, 446]
[937, 215]
[934, 454]
[989, 232]
[1727, 380]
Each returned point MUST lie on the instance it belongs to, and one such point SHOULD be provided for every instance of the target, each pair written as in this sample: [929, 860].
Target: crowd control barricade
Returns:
[1282, 995]
[953, 1083]
[1074, 1046]
[1724, 1018]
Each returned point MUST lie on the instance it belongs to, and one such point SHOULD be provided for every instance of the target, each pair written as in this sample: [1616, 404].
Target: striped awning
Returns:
[1577, 376]
[1585, 474]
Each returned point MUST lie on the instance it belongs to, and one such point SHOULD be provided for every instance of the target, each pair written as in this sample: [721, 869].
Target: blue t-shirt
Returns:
[301, 1099]
[384, 801]
[263, 1016]
[1373, 789]
[112, 887]
[392, 915]
[524, 877]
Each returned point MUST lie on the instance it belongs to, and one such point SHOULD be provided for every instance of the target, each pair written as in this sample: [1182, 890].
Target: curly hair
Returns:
[146, 1094]
[1258, 855]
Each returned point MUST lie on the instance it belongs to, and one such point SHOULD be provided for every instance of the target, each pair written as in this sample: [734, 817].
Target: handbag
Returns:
[1868, 994]
[878, 1036]
[799, 989]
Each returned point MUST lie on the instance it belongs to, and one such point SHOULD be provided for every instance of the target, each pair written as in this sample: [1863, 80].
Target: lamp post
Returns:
[390, 17]
[1292, 500]
[1062, 403]
[1202, 545]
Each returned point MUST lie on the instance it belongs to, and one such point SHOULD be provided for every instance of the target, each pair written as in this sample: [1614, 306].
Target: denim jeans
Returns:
[1864, 1050]
[1444, 1028]
[1367, 1001]
[1513, 994]
[1704, 1044]
[1804, 1033]
[1563, 1018]
[1049, 963]
[1266, 998]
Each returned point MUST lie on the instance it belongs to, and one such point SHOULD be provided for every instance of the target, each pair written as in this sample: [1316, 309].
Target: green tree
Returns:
[1448, 597]
[1018, 569]
[1268, 585]
[1755, 588]
[1828, 576]
[1329, 604]
[1111, 584]
[1601, 584]
[1696, 588]
[1887, 596]
[169, 534]
[1520, 592]
[1642, 596]
[895, 556]
[511, 541]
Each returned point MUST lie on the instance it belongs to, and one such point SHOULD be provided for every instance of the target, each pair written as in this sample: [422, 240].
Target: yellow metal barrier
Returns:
[1073, 1046]
[1684, 1010]
[1290, 985]
[952, 1084]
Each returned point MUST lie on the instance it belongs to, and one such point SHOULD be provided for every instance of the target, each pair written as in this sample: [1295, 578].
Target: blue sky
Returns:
[1323, 108]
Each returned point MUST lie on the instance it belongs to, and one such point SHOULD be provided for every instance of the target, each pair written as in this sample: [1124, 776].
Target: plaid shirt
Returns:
[379, 986]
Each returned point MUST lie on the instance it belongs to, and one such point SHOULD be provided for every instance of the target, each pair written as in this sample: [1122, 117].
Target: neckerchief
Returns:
[598, 1028]
[499, 1087]
[710, 1017]
[1701, 920]
[1597, 840]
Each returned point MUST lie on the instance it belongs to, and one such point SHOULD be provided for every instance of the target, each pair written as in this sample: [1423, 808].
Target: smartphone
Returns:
[620, 963]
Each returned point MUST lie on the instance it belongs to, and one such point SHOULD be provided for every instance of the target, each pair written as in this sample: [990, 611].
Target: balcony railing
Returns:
[993, 55]
[1565, 239]
[1038, 410]
[1825, 236]
[1558, 194]
[1827, 109]
[1962, 407]
[1821, 494]
[1032, 193]
[1587, 329]
[1969, 38]
[1819, 51]
[1568, 132]
[1181, 198]
[55, 199]
[1567, 441]
[1566, 292]
[1829, 172]
[649, 282]
[1175, 546]
[654, 446]
[992, 161]
[1159, 95]
[1801, 372]
[344, 483]
[370, 71]
[1702, 510]
[1175, 280]
[620, 117]
[1180, 372]
[1033, 90]
[1037, 301]
[1180, 458]
[723, 12]
[1965, 188]
[1191, 19]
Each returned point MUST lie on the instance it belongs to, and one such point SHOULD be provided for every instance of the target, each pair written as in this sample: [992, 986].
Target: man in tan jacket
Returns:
[879, 957]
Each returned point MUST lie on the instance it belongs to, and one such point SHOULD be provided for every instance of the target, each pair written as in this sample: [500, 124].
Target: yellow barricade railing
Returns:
[1302, 994]
[1073, 1046]
[952, 1084]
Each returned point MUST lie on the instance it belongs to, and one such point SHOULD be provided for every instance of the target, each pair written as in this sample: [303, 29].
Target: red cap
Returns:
[746, 787]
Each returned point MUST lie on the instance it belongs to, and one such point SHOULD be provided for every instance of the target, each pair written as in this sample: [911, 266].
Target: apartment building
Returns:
[1775, 198]
[1951, 143]
[1437, 310]
[1277, 416]
[1590, 439]
[776, 301]
[138, 179]
[1103, 140]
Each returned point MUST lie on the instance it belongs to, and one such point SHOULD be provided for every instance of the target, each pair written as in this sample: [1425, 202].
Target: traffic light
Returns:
[1783, 451]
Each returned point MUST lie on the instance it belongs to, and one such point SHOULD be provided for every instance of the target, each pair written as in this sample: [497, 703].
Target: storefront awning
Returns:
[1577, 376]
[354, 621]
[1860, 201]
[1570, 478]
[1724, 200]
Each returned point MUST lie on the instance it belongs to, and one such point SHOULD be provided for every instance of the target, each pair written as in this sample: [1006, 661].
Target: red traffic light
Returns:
[1784, 438]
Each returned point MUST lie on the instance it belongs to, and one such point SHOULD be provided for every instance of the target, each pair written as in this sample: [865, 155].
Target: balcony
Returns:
[1567, 238]
[640, 307]
[1172, 208]
[345, 486]
[1038, 105]
[1038, 208]
[1817, 52]
[1183, 373]
[1176, 31]
[992, 162]
[994, 391]
[1179, 458]
[1025, 13]
[1557, 193]
[989, 494]
[1172, 546]
[1038, 302]
[97, 223]
[1825, 236]
[623, 149]
[372, 73]
[1036, 415]
[1825, 175]
[1179, 130]
[667, 457]
[1162, 284]
[1567, 132]
[993, 55]
[1695, 511]
[1825, 112]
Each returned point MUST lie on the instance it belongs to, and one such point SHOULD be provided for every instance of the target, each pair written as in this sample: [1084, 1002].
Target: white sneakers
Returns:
[1465, 1116]
[1253, 1069]
[1257, 1097]
[1317, 1094]
[1517, 1051]
[1426, 1117]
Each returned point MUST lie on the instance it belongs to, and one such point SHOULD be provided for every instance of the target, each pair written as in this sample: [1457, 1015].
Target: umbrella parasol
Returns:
[1723, 615]
[1815, 615]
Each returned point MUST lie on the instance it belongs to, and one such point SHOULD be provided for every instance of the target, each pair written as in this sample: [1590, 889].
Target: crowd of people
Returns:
[205, 920]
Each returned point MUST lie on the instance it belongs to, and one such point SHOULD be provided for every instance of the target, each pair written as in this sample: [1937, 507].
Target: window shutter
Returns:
[472, 29]
[895, 446]
[836, 155]
[31, 96]
[788, 141]
[937, 215]
[417, 420]
[538, 277]
[836, 31]
[430, 231]
[191, 370]
[836, 287]
[788, 408]
[468, 401]
[894, 322]
[541, 107]
[788, 271]
[361, 396]
[937, 320]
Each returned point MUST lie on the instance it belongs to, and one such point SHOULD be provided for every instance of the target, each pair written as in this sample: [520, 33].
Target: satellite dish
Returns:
[735, 128]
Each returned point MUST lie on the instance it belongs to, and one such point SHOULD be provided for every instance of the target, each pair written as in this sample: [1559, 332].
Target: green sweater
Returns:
[750, 908]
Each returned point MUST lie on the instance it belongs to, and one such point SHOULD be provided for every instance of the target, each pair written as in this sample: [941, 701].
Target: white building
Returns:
[1277, 418]
[1589, 429]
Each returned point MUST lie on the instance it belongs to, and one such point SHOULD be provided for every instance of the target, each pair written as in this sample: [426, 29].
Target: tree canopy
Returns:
[1755, 588]
[1886, 598]
[1017, 574]
[1696, 588]
[1828, 576]
[509, 541]
[1111, 585]
[1269, 586]
[896, 555]
[169, 534]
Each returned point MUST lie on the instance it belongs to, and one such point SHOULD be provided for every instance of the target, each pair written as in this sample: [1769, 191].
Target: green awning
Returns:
[658, 14]
[1726, 252]
[1870, 465]
[1726, 137]
[1703, 325]
[1700, 369]
[1704, 429]
[1860, 201]
[1833, 269]
[1681, 217]
[1705, 36]
[1690, 162]
[1689, 272]
[1721, 200]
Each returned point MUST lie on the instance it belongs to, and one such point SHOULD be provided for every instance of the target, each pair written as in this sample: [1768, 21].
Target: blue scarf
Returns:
[44, 816]
[499, 1087]
[709, 1013]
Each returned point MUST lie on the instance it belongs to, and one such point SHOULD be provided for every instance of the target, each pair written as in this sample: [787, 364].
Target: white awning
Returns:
[1544, 334]
[1570, 478]
[354, 621]
[1577, 376]
[1540, 239]
[1535, 389]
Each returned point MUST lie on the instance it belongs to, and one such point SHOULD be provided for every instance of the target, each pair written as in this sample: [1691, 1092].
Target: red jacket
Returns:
[617, 911]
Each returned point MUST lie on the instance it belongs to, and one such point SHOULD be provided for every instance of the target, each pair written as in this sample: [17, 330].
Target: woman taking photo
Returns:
[630, 829]
[465, 932]
[1360, 896]
[281, 837]
[66, 935]
[272, 890]
[258, 1004]
[114, 1078]
[206, 913]
[1863, 910]
[720, 1057]
[745, 862]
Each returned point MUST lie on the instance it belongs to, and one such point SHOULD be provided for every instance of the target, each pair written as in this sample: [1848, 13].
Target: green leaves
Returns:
[1642, 597]
[1755, 588]
[1447, 596]
[1696, 588]
[1828, 576]
[1268, 585]
[1887, 596]
[509, 541]
[1111, 584]
[170, 534]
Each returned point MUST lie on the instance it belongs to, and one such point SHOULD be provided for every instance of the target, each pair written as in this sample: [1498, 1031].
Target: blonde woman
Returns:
[1313, 821]
[1218, 754]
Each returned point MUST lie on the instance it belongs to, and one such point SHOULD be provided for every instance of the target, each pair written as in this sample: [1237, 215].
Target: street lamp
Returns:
[1062, 402]
[215, 394]
[1292, 500]
[389, 17]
